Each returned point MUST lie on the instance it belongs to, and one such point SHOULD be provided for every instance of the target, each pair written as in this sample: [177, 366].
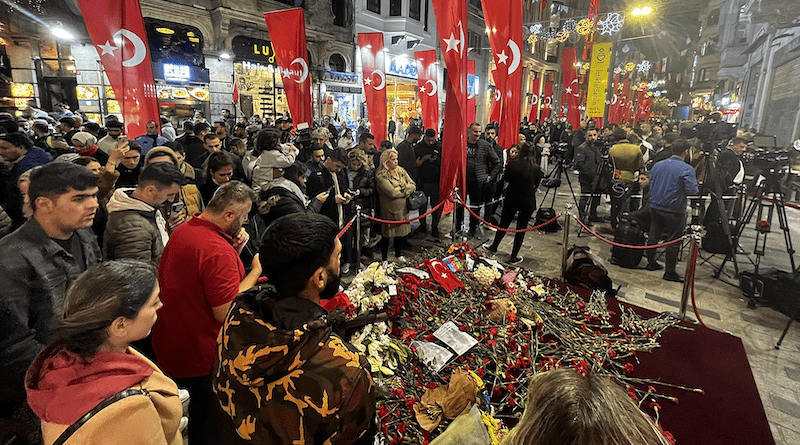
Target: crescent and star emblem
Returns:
[515, 56]
[534, 100]
[497, 95]
[139, 48]
[547, 101]
[434, 88]
[613, 99]
[382, 84]
[440, 268]
[303, 69]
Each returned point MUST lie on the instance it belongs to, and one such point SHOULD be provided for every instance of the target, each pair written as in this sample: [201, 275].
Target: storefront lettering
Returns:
[402, 69]
[256, 50]
[257, 67]
[177, 73]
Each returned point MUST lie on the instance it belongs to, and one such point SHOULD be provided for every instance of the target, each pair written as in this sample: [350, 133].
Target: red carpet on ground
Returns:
[730, 411]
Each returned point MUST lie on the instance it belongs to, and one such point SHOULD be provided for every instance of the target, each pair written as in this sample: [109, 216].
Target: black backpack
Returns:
[628, 232]
[545, 214]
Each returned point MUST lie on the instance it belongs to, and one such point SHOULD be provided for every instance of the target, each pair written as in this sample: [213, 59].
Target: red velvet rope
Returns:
[529, 229]
[347, 227]
[692, 273]
[406, 221]
[654, 246]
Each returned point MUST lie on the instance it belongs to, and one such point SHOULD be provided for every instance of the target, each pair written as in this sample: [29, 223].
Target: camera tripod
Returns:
[600, 184]
[768, 200]
[553, 180]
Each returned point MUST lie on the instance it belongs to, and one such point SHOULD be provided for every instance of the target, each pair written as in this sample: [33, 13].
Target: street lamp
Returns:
[642, 11]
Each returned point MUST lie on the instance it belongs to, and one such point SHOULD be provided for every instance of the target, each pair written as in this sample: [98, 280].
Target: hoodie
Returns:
[134, 230]
[283, 376]
[63, 386]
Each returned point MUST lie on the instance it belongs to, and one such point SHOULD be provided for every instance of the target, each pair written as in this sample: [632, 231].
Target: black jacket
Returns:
[587, 160]
[321, 181]
[195, 151]
[430, 171]
[284, 202]
[35, 273]
[365, 183]
[523, 178]
[483, 161]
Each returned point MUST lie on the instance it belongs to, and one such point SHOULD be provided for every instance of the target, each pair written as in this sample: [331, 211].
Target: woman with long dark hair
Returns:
[523, 177]
[90, 368]
[217, 170]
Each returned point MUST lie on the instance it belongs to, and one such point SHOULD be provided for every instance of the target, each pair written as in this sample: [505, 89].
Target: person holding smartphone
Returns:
[429, 165]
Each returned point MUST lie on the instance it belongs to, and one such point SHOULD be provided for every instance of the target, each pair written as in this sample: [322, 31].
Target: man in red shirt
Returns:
[200, 273]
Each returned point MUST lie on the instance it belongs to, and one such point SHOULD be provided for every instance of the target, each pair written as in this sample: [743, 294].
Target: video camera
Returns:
[604, 143]
[558, 150]
[711, 133]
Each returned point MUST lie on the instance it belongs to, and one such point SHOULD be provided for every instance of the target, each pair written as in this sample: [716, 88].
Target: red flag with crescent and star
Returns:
[572, 90]
[547, 100]
[497, 105]
[117, 32]
[443, 275]
[287, 30]
[428, 81]
[504, 24]
[534, 113]
[451, 24]
[372, 65]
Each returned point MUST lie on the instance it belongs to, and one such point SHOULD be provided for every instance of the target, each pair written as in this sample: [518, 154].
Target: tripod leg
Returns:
[783, 335]
[777, 199]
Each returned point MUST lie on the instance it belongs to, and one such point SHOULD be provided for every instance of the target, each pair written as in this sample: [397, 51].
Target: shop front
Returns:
[339, 92]
[402, 92]
[181, 77]
[257, 78]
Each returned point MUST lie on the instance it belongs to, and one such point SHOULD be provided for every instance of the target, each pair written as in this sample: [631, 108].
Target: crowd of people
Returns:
[198, 259]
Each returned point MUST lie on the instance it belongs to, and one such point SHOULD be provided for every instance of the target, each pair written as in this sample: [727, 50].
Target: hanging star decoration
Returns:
[644, 66]
[532, 39]
[562, 36]
[617, 70]
[611, 25]
[652, 85]
[536, 28]
[657, 94]
[569, 26]
[585, 66]
[649, 94]
[585, 27]
[630, 66]
[549, 34]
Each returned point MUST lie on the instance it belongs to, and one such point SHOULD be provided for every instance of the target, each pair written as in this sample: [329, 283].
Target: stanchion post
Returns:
[691, 267]
[455, 211]
[565, 244]
[358, 238]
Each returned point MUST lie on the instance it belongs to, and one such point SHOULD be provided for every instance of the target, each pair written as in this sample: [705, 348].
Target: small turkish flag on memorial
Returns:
[117, 31]
[443, 275]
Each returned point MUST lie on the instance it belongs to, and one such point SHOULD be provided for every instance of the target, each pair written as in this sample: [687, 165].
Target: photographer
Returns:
[587, 161]
[627, 159]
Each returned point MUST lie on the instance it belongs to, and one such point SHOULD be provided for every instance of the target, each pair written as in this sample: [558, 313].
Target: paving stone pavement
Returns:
[721, 304]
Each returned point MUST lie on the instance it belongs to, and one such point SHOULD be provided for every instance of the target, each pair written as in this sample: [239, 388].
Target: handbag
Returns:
[416, 200]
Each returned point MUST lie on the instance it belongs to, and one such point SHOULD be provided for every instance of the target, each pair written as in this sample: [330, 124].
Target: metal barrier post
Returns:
[358, 238]
[565, 242]
[455, 211]
[691, 267]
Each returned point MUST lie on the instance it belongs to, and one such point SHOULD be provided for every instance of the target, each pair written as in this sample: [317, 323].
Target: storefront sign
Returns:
[253, 49]
[401, 68]
[254, 66]
[173, 72]
[338, 89]
[335, 76]
[177, 73]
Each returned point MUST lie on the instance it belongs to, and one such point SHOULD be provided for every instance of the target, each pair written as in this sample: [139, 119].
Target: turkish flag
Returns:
[547, 100]
[451, 24]
[627, 104]
[443, 275]
[534, 113]
[470, 91]
[117, 31]
[572, 90]
[504, 22]
[287, 30]
[372, 65]
[613, 107]
[428, 81]
[644, 108]
[497, 100]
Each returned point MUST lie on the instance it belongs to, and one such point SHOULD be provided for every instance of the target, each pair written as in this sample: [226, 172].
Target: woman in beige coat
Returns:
[394, 186]
[89, 364]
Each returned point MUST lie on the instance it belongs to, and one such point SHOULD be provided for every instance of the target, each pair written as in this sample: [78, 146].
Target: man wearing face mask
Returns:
[200, 274]
[306, 381]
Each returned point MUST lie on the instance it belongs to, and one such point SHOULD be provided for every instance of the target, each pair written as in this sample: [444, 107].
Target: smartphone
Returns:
[178, 206]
